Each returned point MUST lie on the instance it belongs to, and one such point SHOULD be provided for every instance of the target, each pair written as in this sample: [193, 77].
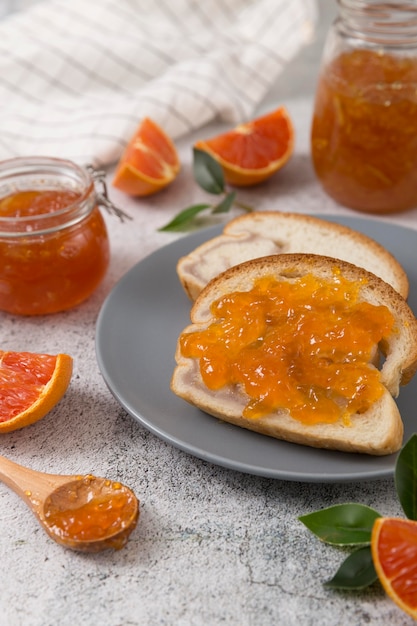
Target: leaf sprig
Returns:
[351, 524]
[208, 174]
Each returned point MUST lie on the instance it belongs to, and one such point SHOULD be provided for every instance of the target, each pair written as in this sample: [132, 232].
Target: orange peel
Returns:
[394, 553]
[149, 163]
[254, 151]
[31, 384]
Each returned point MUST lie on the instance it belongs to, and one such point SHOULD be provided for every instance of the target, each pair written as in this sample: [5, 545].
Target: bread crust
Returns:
[263, 233]
[379, 430]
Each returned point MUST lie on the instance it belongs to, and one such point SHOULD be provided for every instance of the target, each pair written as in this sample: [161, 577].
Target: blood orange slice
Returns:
[252, 152]
[394, 552]
[149, 163]
[30, 386]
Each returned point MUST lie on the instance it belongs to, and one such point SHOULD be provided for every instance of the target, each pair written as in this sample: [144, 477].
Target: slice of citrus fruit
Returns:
[252, 152]
[394, 552]
[30, 386]
[149, 163]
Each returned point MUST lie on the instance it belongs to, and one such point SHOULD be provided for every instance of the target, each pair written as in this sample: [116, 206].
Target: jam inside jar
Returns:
[54, 247]
[364, 129]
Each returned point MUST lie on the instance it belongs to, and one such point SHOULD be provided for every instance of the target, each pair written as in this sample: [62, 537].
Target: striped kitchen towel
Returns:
[77, 77]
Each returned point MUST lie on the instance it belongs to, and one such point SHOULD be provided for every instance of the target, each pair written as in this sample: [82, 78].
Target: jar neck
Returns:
[42, 174]
[383, 23]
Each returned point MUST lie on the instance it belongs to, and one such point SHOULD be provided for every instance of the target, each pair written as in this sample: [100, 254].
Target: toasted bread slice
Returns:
[377, 431]
[271, 232]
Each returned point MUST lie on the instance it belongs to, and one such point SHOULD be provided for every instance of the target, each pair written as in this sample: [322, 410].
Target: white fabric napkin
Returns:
[77, 77]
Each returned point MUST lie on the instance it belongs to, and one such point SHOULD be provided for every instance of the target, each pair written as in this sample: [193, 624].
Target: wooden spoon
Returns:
[83, 513]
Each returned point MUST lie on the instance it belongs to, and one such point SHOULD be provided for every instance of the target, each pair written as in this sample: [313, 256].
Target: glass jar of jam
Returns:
[364, 129]
[54, 247]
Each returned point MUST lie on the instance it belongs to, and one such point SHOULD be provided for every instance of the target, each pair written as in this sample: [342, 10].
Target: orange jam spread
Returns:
[305, 344]
[97, 516]
[364, 131]
[46, 273]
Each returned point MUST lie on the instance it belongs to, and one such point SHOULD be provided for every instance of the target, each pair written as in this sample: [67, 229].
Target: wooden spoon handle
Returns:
[29, 484]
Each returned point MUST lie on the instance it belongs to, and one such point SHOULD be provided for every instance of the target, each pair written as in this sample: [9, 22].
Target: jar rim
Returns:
[32, 173]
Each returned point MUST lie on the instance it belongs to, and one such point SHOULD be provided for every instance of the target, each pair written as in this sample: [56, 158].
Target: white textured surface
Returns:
[212, 546]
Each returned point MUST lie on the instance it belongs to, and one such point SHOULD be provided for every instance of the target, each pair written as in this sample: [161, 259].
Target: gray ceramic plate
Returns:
[137, 331]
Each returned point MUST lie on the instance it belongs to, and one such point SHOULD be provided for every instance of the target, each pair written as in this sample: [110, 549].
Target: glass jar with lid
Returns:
[54, 247]
[364, 128]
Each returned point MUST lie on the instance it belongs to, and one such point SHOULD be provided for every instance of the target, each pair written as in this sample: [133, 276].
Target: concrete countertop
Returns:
[213, 546]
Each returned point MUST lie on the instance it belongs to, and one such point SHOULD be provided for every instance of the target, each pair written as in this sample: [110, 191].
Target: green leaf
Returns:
[356, 572]
[226, 203]
[208, 172]
[244, 206]
[342, 524]
[184, 217]
[406, 477]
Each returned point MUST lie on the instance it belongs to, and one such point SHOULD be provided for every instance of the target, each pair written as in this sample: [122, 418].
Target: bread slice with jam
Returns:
[271, 232]
[301, 347]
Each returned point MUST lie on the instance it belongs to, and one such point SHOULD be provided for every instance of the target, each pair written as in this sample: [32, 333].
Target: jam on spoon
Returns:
[84, 513]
